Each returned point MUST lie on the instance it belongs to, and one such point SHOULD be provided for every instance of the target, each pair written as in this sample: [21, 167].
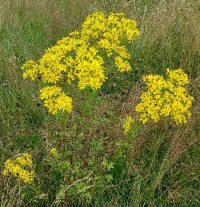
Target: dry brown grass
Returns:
[170, 34]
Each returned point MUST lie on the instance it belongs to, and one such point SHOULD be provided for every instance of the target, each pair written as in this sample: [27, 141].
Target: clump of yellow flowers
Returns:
[82, 57]
[166, 97]
[128, 124]
[55, 99]
[21, 168]
[54, 151]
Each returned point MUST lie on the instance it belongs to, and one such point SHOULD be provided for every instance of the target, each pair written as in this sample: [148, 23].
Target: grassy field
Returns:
[97, 164]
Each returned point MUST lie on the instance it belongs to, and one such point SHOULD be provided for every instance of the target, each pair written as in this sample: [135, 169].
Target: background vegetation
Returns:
[158, 166]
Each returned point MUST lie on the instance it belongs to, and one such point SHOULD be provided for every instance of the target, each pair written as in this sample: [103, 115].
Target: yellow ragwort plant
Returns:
[128, 123]
[21, 168]
[81, 56]
[53, 151]
[166, 97]
[54, 99]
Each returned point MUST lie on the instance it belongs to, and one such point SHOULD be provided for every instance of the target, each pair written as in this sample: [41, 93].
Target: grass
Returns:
[157, 166]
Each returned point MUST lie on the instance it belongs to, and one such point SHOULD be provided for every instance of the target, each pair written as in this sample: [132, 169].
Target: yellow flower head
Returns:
[123, 65]
[82, 57]
[54, 151]
[128, 124]
[55, 100]
[21, 168]
[30, 69]
[166, 97]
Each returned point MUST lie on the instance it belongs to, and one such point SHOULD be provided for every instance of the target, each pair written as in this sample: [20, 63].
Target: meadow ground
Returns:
[95, 163]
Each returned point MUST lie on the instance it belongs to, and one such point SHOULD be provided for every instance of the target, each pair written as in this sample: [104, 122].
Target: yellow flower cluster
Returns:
[166, 97]
[55, 100]
[54, 151]
[123, 65]
[110, 33]
[128, 124]
[89, 69]
[21, 168]
[81, 56]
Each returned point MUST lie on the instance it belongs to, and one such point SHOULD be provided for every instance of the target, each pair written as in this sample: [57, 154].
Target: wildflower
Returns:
[49, 91]
[166, 97]
[21, 168]
[56, 100]
[30, 69]
[82, 57]
[128, 124]
[90, 69]
[122, 64]
[54, 151]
